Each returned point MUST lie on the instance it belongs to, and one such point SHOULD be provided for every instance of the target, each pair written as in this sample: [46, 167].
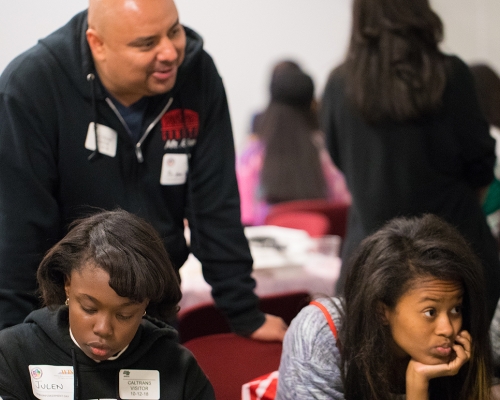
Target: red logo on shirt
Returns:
[179, 124]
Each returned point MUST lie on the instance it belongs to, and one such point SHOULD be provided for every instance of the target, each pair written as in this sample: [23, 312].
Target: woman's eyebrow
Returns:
[438, 299]
[128, 303]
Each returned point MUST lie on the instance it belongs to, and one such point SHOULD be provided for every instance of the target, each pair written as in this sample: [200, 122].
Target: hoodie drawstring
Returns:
[91, 79]
[76, 383]
[189, 188]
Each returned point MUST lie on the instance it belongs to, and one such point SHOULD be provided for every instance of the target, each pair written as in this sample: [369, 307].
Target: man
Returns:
[122, 107]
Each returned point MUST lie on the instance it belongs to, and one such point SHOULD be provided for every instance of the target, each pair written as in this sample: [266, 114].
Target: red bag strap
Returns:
[327, 316]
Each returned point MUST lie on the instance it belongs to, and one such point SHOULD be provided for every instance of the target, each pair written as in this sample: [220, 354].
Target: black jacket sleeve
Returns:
[217, 235]
[29, 213]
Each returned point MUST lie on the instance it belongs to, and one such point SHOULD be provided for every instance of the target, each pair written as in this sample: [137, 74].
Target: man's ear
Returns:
[96, 44]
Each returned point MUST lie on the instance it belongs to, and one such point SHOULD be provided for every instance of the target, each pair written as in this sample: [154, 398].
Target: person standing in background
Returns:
[122, 107]
[286, 158]
[488, 92]
[403, 124]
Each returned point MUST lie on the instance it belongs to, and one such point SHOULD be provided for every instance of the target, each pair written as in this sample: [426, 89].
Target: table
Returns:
[289, 260]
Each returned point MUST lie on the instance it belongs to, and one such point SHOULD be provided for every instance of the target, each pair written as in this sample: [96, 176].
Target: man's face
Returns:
[141, 48]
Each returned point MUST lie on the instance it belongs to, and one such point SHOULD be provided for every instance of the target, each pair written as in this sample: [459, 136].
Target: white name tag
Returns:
[107, 139]
[139, 384]
[174, 169]
[52, 382]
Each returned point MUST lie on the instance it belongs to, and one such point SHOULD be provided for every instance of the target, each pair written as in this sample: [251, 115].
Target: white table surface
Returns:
[298, 267]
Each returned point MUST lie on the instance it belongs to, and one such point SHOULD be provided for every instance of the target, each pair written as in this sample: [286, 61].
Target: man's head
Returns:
[137, 46]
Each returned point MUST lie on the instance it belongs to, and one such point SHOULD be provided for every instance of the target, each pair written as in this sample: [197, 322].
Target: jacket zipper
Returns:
[138, 150]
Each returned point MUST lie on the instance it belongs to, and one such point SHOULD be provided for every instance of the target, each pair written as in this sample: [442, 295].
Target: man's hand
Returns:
[273, 329]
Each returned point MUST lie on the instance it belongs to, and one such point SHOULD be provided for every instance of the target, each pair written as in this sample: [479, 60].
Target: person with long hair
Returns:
[288, 161]
[108, 288]
[487, 83]
[488, 92]
[403, 124]
[412, 322]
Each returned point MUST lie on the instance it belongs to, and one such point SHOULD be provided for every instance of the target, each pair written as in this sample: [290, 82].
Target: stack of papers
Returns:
[275, 246]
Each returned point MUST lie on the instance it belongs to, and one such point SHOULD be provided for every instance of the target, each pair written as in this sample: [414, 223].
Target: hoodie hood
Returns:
[55, 324]
[58, 368]
[71, 40]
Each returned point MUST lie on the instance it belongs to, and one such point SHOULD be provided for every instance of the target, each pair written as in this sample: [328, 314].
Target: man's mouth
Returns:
[164, 73]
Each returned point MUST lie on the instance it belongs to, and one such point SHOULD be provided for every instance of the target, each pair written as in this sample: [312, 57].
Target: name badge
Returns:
[52, 382]
[139, 384]
[174, 169]
[107, 139]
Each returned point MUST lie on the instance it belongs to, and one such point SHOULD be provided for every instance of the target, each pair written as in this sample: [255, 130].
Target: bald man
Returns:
[122, 107]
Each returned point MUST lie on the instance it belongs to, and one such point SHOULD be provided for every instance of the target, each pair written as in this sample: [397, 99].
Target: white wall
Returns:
[247, 37]
[471, 29]
[23, 22]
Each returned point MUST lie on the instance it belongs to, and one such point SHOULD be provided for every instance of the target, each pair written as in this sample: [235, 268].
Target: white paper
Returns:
[174, 169]
[139, 384]
[107, 139]
[52, 382]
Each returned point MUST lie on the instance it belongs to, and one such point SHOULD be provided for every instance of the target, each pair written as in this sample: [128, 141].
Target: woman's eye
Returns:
[123, 317]
[430, 313]
[89, 310]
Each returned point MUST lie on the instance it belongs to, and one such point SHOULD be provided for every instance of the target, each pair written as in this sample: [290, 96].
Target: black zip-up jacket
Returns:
[28, 350]
[50, 97]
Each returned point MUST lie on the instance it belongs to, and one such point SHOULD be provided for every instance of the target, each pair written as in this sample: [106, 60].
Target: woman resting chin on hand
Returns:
[426, 327]
[412, 322]
[418, 374]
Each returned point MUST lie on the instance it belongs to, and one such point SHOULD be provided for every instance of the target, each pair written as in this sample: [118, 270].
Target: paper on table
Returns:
[274, 246]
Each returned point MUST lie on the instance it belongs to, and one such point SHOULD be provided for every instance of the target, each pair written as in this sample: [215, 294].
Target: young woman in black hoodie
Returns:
[108, 287]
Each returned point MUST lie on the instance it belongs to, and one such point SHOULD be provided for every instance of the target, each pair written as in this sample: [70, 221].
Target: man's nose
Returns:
[167, 51]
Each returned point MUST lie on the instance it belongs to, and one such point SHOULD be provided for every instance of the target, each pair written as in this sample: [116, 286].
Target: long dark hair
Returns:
[127, 248]
[488, 92]
[291, 168]
[381, 271]
[394, 69]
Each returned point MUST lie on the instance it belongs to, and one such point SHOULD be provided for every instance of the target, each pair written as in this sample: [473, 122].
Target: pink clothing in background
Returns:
[248, 166]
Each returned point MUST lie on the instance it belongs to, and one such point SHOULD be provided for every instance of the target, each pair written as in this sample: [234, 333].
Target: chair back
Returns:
[204, 319]
[230, 360]
[314, 223]
[337, 213]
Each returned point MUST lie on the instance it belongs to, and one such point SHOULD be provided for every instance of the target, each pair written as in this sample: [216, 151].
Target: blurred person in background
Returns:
[488, 93]
[403, 124]
[286, 158]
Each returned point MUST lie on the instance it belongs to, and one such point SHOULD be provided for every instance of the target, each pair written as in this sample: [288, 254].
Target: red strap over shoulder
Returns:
[327, 316]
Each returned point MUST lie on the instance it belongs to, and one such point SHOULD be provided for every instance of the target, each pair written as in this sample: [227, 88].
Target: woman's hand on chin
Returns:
[418, 374]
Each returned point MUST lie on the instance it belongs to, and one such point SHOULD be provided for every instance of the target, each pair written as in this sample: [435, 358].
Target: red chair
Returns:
[336, 212]
[230, 360]
[315, 224]
[205, 319]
